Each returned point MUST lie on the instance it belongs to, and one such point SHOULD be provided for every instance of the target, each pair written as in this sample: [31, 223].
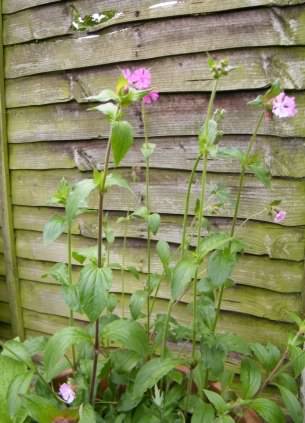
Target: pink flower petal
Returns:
[284, 106]
[280, 216]
[151, 97]
[67, 393]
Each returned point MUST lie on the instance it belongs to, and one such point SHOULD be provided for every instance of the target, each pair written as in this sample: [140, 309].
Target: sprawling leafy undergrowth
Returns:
[135, 364]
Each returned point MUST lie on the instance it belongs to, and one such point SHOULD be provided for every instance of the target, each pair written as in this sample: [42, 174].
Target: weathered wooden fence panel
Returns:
[51, 134]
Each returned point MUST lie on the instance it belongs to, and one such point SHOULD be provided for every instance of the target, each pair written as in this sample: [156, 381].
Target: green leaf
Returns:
[77, 198]
[268, 410]
[250, 377]
[59, 272]
[104, 96]
[147, 150]
[141, 212]
[117, 180]
[87, 414]
[125, 361]
[129, 334]
[288, 381]
[94, 285]
[121, 140]
[9, 370]
[220, 266]
[17, 351]
[292, 405]
[262, 173]
[19, 387]
[203, 413]
[43, 410]
[137, 302]
[108, 109]
[150, 374]
[154, 222]
[61, 195]
[183, 274]
[219, 403]
[53, 229]
[297, 359]
[57, 346]
[164, 253]
[268, 355]
[212, 242]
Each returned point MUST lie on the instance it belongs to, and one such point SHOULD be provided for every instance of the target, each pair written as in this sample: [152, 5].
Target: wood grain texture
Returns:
[46, 298]
[4, 313]
[35, 188]
[173, 115]
[260, 238]
[255, 69]
[259, 27]
[5, 331]
[284, 157]
[275, 275]
[251, 328]
[35, 24]
[11, 6]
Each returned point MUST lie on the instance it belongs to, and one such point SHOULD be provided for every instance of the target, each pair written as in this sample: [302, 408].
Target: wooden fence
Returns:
[49, 69]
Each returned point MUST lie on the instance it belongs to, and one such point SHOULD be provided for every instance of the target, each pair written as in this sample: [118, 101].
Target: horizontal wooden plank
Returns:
[5, 331]
[11, 6]
[284, 157]
[173, 115]
[275, 275]
[255, 69]
[4, 313]
[35, 24]
[255, 28]
[35, 188]
[251, 328]
[260, 238]
[246, 300]
[3, 290]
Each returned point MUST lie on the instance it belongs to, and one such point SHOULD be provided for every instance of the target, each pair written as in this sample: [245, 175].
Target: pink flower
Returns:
[151, 97]
[67, 393]
[284, 106]
[280, 216]
[141, 78]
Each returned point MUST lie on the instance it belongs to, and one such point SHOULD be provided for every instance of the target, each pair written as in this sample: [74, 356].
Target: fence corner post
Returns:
[6, 207]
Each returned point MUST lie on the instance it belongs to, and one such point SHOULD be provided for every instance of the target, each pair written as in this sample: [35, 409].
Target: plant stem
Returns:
[274, 372]
[165, 333]
[71, 319]
[147, 205]
[123, 264]
[237, 204]
[200, 219]
[99, 263]
[187, 203]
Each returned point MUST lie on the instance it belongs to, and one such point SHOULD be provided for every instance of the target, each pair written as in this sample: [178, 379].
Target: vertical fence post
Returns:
[6, 208]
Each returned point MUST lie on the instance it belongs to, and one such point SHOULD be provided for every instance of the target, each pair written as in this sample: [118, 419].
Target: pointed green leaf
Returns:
[94, 285]
[153, 222]
[53, 229]
[108, 109]
[250, 377]
[137, 302]
[117, 180]
[212, 242]
[219, 403]
[18, 387]
[87, 414]
[268, 410]
[104, 96]
[58, 345]
[121, 140]
[183, 275]
[129, 334]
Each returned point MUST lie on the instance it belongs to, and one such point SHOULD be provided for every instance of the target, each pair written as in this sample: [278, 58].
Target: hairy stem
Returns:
[166, 327]
[99, 263]
[71, 317]
[123, 263]
[147, 205]
[187, 203]
[237, 204]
